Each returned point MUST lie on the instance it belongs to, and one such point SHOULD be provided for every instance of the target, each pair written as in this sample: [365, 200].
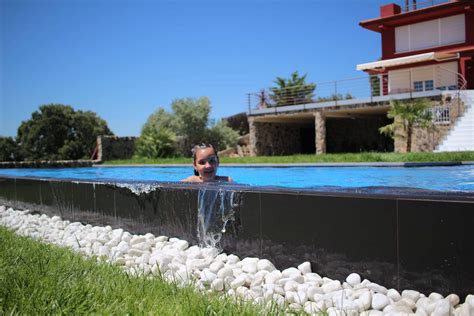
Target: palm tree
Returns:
[292, 91]
[406, 115]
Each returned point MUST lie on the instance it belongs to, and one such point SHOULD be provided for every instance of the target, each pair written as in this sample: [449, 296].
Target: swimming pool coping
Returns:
[309, 164]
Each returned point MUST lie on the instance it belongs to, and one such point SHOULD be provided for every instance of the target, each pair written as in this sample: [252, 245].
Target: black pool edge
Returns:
[406, 240]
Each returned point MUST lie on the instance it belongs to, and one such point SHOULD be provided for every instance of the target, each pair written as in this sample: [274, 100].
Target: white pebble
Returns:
[249, 267]
[137, 240]
[216, 266]
[238, 281]
[379, 301]
[435, 296]
[394, 295]
[377, 288]
[224, 272]
[411, 294]
[353, 279]
[265, 264]
[453, 299]
[232, 259]
[305, 267]
[289, 272]
[331, 286]
[443, 308]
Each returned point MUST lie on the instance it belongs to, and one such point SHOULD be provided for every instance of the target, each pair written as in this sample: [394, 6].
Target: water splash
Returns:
[138, 188]
[216, 207]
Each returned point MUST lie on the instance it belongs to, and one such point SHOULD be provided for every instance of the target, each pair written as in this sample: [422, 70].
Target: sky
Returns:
[124, 59]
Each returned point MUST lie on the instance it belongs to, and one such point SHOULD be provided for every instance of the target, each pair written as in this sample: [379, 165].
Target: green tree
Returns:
[160, 119]
[187, 125]
[293, 90]
[192, 118]
[406, 115]
[57, 131]
[9, 149]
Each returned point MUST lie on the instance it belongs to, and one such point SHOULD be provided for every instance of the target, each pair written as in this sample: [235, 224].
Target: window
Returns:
[429, 85]
[433, 33]
[418, 86]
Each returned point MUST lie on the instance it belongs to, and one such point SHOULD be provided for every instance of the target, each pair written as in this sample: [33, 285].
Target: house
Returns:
[427, 52]
[424, 49]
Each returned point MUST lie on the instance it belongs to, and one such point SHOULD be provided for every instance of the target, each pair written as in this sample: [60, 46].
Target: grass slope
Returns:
[37, 278]
[326, 158]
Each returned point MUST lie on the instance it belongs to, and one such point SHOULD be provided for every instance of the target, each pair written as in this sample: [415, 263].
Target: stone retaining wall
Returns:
[48, 164]
[115, 147]
[273, 139]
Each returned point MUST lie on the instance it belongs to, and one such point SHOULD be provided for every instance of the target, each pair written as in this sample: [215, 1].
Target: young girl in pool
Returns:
[205, 162]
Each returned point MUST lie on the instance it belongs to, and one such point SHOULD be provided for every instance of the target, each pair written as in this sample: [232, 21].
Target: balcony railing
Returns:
[412, 83]
[411, 5]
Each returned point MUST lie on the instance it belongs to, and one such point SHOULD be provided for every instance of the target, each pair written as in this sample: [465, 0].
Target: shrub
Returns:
[155, 143]
[221, 135]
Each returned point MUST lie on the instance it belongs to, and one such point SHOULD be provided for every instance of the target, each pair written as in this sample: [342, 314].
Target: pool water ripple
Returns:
[450, 178]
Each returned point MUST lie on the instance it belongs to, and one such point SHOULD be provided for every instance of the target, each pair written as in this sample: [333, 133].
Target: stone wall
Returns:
[114, 147]
[426, 139]
[47, 164]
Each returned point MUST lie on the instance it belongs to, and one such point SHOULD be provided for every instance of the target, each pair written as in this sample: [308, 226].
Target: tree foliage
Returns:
[406, 115]
[192, 118]
[9, 149]
[189, 123]
[293, 90]
[160, 119]
[57, 131]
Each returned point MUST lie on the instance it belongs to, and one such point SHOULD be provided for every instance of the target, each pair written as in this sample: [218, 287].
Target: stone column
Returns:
[253, 137]
[320, 130]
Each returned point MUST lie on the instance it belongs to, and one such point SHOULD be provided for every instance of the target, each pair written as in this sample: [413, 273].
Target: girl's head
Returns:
[205, 161]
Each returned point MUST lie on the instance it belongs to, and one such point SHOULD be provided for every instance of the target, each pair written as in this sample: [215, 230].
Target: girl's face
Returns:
[206, 164]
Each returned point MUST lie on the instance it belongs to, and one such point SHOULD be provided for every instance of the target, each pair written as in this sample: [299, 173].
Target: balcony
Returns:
[361, 90]
[408, 5]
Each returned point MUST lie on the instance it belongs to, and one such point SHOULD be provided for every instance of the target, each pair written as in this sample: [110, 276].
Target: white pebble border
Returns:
[251, 279]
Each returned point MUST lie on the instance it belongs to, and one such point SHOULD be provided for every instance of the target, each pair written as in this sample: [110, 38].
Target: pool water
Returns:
[449, 178]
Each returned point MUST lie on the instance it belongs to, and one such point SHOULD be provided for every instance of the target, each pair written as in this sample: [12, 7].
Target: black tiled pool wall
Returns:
[416, 241]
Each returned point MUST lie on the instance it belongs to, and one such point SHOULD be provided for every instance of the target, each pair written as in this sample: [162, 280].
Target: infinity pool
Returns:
[450, 178]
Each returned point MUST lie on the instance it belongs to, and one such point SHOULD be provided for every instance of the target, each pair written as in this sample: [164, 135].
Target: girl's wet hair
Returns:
[202, 146]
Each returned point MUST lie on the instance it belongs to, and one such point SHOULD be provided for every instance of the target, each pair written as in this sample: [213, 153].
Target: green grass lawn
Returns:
[41, 279]
[326, 158]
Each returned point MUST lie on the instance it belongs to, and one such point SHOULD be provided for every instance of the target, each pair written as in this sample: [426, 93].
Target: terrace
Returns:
[376, 89]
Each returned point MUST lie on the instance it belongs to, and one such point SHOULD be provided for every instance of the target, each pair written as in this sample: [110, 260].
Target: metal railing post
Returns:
[335, 91]
[248, 102]
[410, 85]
